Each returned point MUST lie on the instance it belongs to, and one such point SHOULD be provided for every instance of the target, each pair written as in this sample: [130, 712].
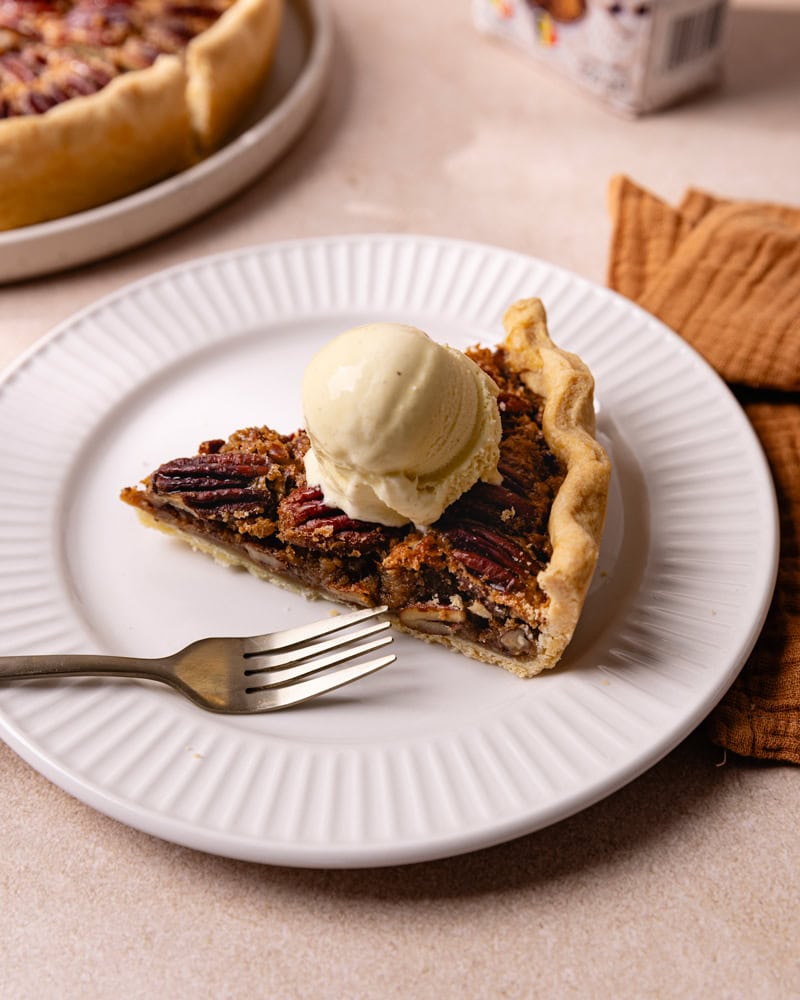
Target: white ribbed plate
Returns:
[436, 754]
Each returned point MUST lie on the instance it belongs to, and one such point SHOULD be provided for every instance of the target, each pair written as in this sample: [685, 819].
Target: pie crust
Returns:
[501, 577]
[144, 125]
[579, 509]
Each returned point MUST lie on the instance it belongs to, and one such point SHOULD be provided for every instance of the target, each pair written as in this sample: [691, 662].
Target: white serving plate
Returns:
[436, 754]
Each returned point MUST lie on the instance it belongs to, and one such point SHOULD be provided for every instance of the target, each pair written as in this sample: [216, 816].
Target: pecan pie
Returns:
[99, 98]
[501, 576]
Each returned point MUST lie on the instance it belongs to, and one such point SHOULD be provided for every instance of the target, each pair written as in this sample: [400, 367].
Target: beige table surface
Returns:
[683, 884]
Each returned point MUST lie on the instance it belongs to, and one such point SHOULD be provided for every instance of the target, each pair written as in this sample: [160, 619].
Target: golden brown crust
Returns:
[143, 126]
[578, 513]
[226, 65]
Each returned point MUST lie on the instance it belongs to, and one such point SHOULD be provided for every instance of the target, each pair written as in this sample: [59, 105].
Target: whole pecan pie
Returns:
[501, 576]
[99, 98]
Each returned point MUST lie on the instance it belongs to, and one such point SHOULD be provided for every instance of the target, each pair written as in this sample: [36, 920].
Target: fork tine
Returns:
[266, 701]
[304, 633]
[276, 678]
[268, 661]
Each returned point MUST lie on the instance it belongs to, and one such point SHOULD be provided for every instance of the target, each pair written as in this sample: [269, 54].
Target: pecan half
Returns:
[18, 68]
[516, 641]
[486, 502]
[36, 102]
[306, 520]
[221, 483]
[498, 559]
[303, 505]
[192, 10]
[432, 619]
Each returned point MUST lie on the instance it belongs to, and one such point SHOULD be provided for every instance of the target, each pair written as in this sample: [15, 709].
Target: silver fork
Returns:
[258, 673]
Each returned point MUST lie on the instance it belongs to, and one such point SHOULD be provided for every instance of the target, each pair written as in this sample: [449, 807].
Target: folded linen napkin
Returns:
[725, 275]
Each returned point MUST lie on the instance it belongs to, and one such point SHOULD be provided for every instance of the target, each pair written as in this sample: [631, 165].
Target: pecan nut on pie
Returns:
[99, 98]
[500, 575]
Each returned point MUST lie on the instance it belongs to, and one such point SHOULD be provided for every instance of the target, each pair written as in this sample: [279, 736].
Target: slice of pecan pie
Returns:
[501, 576]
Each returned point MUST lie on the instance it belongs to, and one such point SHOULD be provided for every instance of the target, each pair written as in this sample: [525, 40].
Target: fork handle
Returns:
[16, 668]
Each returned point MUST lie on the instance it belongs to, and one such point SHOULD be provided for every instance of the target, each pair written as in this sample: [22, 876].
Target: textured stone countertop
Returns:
[684, 883]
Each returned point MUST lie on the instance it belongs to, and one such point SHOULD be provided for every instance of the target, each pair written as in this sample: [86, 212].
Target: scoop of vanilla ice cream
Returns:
[400, 426]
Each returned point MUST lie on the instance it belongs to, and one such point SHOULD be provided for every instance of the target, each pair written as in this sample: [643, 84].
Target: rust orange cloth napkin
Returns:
[725, 275]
